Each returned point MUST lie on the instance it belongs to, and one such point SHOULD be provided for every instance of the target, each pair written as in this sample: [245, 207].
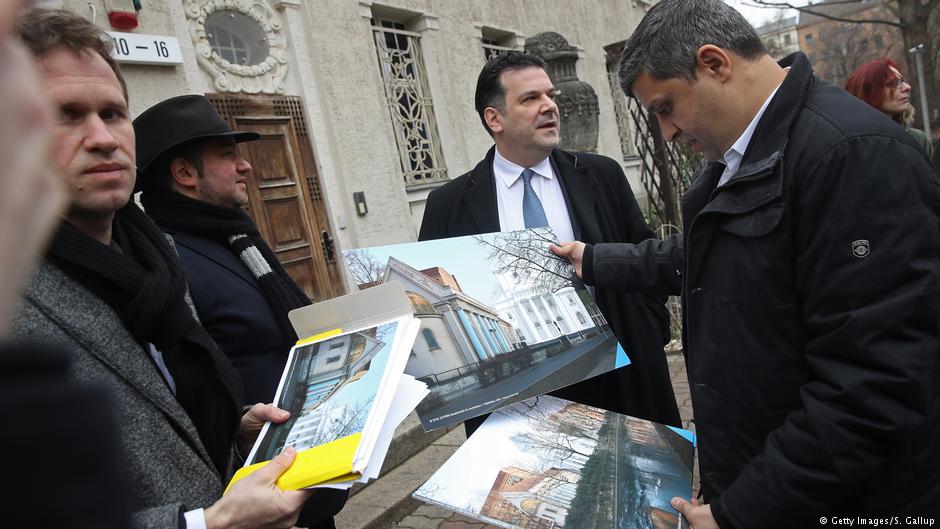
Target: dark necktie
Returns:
[532, 212]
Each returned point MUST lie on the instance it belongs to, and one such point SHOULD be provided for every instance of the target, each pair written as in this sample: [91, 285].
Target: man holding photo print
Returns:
[808, 267]
[526, 181]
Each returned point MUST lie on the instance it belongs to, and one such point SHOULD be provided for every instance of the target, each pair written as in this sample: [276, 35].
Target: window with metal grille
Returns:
[409, 102]
[496, 42]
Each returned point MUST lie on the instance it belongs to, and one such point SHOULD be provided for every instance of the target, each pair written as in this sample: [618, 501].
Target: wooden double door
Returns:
[284, 195]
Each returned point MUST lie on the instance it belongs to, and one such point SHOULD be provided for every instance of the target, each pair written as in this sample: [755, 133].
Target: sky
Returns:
[759, 16]
[467, 477]
[462, 257]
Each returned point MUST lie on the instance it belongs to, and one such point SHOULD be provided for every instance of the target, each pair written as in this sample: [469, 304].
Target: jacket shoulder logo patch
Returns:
[861, 248]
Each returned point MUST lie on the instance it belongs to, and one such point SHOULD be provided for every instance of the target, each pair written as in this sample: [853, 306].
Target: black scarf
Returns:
[145, 285]
[235, 230]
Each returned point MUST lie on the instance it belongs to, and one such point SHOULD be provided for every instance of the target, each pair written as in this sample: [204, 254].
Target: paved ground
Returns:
[547, 375]
[416, 515]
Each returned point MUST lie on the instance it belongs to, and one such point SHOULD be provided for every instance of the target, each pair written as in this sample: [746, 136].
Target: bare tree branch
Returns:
[525, 256]
[812, 10]
[365, 268]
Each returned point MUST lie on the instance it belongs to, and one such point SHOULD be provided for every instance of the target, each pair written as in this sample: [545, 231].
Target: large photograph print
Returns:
[550, 463]
[502, 320]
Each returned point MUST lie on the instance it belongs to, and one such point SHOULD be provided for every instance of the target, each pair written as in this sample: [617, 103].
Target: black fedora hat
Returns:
[176, 121]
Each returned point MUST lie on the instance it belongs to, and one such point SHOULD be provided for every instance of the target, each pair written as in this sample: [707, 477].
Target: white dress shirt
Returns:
[509, 189]
[195, 519]
[735, 154]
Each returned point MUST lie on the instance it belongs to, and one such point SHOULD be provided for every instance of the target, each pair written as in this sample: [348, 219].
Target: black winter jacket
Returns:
[811, 289]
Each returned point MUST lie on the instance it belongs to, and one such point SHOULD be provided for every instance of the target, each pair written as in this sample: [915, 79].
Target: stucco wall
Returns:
[333, 67]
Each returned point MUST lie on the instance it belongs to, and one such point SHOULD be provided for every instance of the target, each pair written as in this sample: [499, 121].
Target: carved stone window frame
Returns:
[266, 77]
[405, 76]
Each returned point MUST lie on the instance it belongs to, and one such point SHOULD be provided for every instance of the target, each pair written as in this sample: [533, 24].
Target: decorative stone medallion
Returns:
[239, 43]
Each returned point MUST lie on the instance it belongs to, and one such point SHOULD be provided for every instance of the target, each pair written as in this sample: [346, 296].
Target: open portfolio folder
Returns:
[345, 388]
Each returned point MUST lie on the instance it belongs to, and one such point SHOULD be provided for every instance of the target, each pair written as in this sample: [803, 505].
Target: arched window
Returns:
[581, 318]
[430, 339]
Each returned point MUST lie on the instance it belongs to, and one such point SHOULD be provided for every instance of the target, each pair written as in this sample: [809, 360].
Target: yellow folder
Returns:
[331, 462]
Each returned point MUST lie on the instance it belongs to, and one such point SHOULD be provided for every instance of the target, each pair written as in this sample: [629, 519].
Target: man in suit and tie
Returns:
[527, 181]
[195, 187]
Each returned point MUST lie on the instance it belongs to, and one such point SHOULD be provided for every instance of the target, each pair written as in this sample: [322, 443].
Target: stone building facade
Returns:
[836, 48]
[364, 106]
[780, 37]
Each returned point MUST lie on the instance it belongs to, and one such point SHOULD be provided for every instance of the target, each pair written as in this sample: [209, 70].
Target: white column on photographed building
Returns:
[541, 316]
[487, 339]
[498, 335]
[471, 332]
[532, 318]
[561, 315]
[498, 332]
[551, 301]
[519, 324]
[548, 317]
[487, 324]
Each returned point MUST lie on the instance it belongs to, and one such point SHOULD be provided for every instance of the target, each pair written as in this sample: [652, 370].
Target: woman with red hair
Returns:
[881, 85]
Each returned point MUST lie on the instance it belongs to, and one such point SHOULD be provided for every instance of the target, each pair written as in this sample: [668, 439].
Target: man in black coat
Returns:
[109, 291]
[809, 273]
[581, 196]
[194, 186]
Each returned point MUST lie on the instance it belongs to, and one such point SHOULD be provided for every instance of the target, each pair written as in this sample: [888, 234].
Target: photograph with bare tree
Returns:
[550, 463]
[329, 388]
[502, 320]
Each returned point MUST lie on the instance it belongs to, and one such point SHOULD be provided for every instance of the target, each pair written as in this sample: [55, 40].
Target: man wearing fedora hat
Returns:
[194, 186]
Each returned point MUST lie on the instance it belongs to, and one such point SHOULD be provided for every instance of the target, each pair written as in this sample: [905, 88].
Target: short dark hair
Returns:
[665, 44]
[490, 91]
[44, 30]
[157, 174]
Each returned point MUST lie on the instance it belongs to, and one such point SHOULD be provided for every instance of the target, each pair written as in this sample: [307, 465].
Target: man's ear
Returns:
[714, 62]
[494, 120]
[183, 173]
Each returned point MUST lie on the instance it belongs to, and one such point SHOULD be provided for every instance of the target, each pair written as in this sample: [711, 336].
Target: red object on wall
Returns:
[122, 20]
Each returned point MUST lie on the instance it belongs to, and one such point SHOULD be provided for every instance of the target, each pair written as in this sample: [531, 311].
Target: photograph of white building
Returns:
[496, 328]
[538, 316]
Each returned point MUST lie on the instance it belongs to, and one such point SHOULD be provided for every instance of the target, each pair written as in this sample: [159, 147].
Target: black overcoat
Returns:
[602, 208]
[234, 311]
[811, 287]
